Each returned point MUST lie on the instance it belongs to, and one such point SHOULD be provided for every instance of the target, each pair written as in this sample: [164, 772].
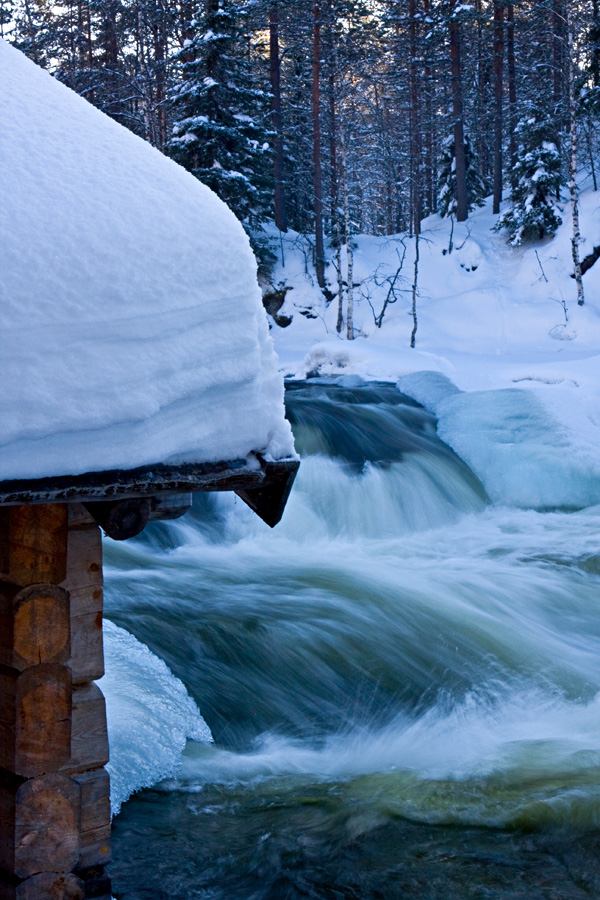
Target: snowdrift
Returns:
[505, 358]
[131, 319]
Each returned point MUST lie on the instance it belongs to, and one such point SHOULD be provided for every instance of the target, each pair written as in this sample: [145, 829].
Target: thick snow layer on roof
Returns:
[132, 330]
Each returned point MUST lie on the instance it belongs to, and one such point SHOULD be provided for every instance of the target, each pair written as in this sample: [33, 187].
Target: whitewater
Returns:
[402, 681]
[396, 692]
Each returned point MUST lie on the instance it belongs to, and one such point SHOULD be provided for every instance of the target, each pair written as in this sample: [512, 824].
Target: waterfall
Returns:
[399, 654]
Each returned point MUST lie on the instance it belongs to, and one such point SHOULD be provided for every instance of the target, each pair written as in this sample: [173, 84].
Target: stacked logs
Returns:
[54, 790]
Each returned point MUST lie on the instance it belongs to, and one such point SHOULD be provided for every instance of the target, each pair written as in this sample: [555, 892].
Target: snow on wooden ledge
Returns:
[132, 329]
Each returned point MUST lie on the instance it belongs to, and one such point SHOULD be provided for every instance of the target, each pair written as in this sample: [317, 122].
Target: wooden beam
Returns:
[145, 481]
[33, 544]
[84, 584]
[89, 736]
[149, 481]
[56, 885]
[122, 519]
[35, 717]
[39, 821]
[268, 501]
[94, 847]
[54, 790]
[34, 625]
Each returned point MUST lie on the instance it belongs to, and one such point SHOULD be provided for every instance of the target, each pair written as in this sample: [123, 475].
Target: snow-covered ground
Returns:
[492, 319]
[132, 329]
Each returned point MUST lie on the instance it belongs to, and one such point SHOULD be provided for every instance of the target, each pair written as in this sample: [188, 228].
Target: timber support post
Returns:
[54, 789]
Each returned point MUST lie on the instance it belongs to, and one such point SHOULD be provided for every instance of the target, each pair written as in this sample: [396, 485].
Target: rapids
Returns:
[402, 680]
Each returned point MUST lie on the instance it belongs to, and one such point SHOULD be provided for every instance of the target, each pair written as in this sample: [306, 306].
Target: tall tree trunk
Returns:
[316, 118]
[576, 236]
[482, 87]
[159, 36]
[430, 175]
[595, 50]
[144, 100]
[558, 40]
[275, 72]
[349, 251]
[32, 32]
[416, 151]
[333, 127]
[340, 281]
[462, 206]
[334, 176]
[512, 86]
[498, 96]
[415, 288]
[111, 59]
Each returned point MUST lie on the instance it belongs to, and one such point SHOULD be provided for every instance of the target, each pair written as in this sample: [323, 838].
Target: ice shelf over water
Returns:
[131, 318]
[522, 454]
[150, 716]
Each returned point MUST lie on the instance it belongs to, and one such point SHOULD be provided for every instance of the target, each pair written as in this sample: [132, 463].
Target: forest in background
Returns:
[334, 117]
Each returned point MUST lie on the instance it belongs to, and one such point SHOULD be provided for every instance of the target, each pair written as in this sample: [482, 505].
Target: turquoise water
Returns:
[402, 680]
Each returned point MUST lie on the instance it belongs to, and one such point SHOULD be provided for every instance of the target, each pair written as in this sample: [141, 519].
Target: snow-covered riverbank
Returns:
[490, 317]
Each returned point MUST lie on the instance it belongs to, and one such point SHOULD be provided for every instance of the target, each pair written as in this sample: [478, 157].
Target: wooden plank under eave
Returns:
[126, 484]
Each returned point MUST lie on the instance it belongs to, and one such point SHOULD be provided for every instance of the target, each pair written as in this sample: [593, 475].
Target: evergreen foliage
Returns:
[197, 80]
[476, 188]
[220, 128]
[533, 213]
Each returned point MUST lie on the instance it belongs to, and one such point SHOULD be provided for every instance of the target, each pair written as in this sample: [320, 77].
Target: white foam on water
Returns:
[488, 614]
[516, 758]
[499, 591]
[150, 716]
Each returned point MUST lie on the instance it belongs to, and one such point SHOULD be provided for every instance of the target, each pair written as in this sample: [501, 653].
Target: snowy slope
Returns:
[491, 320]
[132, 330]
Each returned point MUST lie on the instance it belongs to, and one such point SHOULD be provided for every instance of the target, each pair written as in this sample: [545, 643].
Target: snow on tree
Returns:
[447, 187]
[220, 130]
[534, 213]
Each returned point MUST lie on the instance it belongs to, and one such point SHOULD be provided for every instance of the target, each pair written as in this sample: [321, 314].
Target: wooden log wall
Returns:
[54, 789]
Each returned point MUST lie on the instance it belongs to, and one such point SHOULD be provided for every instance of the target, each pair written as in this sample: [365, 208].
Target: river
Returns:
[402, 679]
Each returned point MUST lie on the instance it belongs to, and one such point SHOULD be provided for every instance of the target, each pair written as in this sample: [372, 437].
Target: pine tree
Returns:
[221, 114]
[476, 188]
[29, 25]
[533, 213]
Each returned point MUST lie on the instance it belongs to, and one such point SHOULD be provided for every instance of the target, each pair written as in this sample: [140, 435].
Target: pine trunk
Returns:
[498, 92]
[462, 206]
[275, 72]
[416, 152]
[558, 41]
[316, 119]
[429, 186]
[595, 60]
[334, 177]
[159, 37]
[512, 86]
[349, 253]
[333, 128]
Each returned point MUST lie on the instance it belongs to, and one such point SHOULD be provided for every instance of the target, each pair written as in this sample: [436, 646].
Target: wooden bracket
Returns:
[121, 519]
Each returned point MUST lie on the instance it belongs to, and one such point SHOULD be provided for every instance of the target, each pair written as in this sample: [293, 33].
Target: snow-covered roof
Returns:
[131, 325]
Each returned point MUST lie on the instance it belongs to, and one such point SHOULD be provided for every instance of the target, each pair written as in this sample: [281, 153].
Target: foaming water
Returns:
[397, 651]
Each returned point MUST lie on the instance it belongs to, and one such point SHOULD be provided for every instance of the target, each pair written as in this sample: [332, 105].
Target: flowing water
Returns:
[402, 681]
